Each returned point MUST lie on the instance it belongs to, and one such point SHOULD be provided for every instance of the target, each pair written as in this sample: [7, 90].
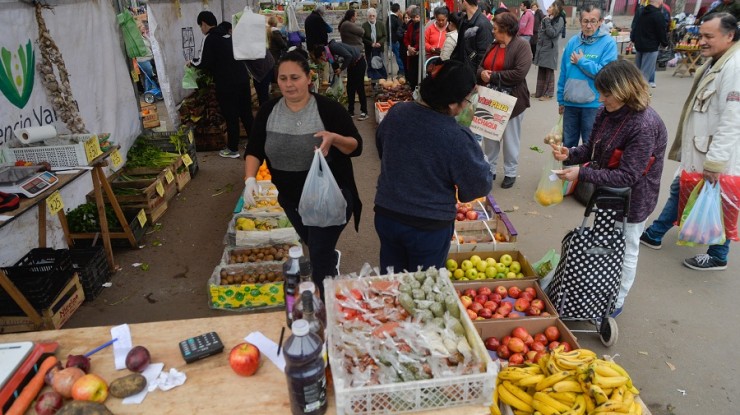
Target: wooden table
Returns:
[212, 387]
[688, 63]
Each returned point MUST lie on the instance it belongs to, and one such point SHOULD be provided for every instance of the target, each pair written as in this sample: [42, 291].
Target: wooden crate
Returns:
[54, 317]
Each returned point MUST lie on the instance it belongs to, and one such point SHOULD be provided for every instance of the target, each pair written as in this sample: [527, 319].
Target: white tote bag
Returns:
[249, 37]
[322, 202]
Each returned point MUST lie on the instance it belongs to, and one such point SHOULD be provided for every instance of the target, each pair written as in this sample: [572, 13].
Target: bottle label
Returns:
[289, 301]
[315, 395]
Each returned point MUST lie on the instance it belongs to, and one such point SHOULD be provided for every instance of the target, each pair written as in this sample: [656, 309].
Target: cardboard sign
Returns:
[54, 203]
[492, 113]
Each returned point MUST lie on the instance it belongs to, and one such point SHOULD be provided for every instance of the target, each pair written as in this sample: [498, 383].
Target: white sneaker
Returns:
[652, 85]
[362, 117]
[229, 154]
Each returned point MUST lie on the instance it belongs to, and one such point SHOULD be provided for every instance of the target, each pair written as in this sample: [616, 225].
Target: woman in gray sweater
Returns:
[351, 34]
[546, 54]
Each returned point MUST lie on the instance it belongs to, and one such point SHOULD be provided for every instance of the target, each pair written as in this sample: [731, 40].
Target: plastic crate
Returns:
[40, 276]
[70, 155]
[92, 267]
[414, 396]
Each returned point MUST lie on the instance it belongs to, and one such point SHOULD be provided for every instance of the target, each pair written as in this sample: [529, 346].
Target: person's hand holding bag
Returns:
[250, 189]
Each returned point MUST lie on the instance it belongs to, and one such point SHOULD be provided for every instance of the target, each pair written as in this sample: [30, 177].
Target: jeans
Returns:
[577, 124]
[646, 61]
[632, 232]
[397, 53]
[356, 86]
[669, 215]
[404, 247]
[321, 242]
[510, 140]
[235, 102]
[146, 67]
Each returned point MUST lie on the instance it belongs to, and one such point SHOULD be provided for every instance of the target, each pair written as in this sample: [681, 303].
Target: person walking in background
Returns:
[396, 34]
[476, 35]
[565, 23]
[626, 122]
[584, 56]
[374, 38]
[425, 156]
[231, 80]
[728, 6]
[436, 32]
[538, 16]
[351, 34]
[526, 21]
[708, 135]
[546, 56]
[145, 62]
[451, 38]
[317, 30]
[411, 40]
[286, 132]
[278, 45]
[505, 65]
[650, 33]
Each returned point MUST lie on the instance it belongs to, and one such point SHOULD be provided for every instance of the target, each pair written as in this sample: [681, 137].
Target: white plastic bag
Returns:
[322, 203]
[249, 36]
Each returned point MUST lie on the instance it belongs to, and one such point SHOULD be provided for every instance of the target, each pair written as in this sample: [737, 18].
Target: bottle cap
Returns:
[295, 252]
[307, 286]
[299, 327]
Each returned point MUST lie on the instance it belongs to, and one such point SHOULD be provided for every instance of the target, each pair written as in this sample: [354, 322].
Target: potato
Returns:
[84, 408]
[127, 385]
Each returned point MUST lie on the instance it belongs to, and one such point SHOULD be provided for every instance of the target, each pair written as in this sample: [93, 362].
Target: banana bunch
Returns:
[566, 383]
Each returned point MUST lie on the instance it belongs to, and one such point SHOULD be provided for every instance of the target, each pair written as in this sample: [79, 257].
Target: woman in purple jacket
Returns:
[628, 125]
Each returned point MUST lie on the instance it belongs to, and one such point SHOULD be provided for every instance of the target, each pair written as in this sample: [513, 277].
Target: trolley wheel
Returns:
[149, 98]
[608, 331]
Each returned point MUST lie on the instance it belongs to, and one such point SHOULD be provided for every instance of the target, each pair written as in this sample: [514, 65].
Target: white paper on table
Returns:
[150, 373]
[268, 348]
[168, 380]
[5, 218]
[75, 171]
[122, 346]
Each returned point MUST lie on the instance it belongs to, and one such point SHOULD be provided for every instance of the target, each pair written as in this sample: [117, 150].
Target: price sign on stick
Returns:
[141, 217]
[187, 160]
[54, 203]
[160, 188]
[169, 176]
[116, 158]
[92, 148]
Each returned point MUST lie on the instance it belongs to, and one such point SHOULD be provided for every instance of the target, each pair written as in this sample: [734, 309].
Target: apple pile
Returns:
[465, 212]
[485, 304]
[521, 347]
[477, 268]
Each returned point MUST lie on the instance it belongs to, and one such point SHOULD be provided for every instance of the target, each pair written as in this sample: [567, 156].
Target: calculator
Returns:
[199, 347]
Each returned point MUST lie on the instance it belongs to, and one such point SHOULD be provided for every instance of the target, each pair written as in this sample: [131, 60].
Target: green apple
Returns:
[519, 275]
[491, 272]
[500, 267]
[458, 273]
[451, 265]
[466, 265]
[490, 261]
[463, 279]
[481, 266]
[471, 274]
[506, 259]
[510, 275]
[515, 267]
[500, 276]
[475, 259]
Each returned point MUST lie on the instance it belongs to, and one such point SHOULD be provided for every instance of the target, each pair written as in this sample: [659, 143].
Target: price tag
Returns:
[141, 216]
[92, 148]
[160, 188]
[187, 160]
[191, 138]
[54, 203]
[116, 158]
[169, 176]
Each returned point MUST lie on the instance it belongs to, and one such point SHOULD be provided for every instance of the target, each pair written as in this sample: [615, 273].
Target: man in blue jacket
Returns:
[584, 56]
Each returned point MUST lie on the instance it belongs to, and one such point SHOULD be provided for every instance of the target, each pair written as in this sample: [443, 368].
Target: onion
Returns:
[50, 374]
[80, 361]
[64, 379]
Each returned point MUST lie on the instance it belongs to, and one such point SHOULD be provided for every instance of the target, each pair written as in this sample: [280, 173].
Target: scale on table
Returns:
[27, 181]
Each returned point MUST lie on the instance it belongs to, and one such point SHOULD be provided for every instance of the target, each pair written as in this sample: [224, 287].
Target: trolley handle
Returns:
[609, 194]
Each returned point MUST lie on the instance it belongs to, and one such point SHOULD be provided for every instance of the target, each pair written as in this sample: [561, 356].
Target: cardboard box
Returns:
[492, 232]
[247, 296]
[522, 284]
[54, 317]
[527, 269]
[503, 327]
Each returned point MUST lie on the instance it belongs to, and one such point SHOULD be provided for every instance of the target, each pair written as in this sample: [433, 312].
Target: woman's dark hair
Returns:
[442, 10]
[206, 17]
[559, 6]
[624, 82]
[500, 10]
[298, 56]
[727, 23]
[507, 23]
[225, 26]
[454, 18]
[348, 15]
[395, 7]
[449, 83]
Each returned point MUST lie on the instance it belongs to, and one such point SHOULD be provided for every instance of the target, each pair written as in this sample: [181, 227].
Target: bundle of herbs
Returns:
[144, 154]
[84, 219]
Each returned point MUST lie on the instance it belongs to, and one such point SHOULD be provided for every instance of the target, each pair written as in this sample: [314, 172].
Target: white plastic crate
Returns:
[69, 155]
[405, 397]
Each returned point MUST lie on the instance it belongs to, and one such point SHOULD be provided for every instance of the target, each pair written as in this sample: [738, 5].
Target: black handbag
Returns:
[508, 90]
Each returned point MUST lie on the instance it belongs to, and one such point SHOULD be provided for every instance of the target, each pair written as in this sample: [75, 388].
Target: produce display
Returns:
[84, 218]
[567, 382]
[522, 347]
[144, 154]
[486, 303]
[395, 93]
[252, 274]
[477, 268]
[263, 173]
[261, 223]
[465, 211]
[260, 254]
[264, 204]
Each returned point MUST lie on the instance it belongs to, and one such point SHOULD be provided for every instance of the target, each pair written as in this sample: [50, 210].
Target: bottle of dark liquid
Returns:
[316, 326]
[305, 371]
[318, 306]
[292, 275]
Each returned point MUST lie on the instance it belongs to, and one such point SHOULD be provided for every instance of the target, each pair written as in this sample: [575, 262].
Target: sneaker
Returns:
[229, 154]
[650, 242]
[508, 182]
[616, 312]
[652, 85]
[362, 117]
[705, 262]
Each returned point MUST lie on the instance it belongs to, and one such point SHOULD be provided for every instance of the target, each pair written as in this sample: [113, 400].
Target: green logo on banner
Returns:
[16, 79]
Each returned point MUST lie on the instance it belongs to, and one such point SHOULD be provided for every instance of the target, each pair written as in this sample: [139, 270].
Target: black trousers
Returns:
[263, 88]
[356, 86]
[412, 71]
[235, 102]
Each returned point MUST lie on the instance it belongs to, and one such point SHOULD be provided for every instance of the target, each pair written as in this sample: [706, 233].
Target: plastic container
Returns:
[318, 306]
[92, 267]
[292, 275]
[305, 371]
[40, 276]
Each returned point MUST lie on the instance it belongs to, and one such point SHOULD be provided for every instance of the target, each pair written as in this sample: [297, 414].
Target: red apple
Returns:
[520, 333]
[514, 292]
[470, 292]
[503, 352]
[472, 314]
[476, 307]
[552, 333]
[90, 387]
[471, 215]
[48, 403]
[538, 356]
[532, 291]
[545, 314]
[538, 347]
[495, 297]
[502, 291]
[516, 359]
[485, 313]
[566, 347]
[460, 217]
[538, 304]
[466, 301]
[540, 338]
[463, 209]
[505, 340]
[529, 340]
[244, 359]
[492, 343]
[533, 311]
[516, 345]
[553, 345]
[490, 305]
[530, 355]
[521, 304]
[484, 291]
[527, 296]
[514, 315]
[497, 316]
[481, 299]
[504, 311]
